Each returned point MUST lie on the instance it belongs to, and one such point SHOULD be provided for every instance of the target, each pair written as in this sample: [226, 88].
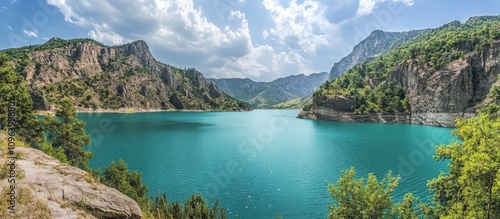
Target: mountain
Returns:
[99, 77]
[438, 76]
[377, 43]
[274, 94]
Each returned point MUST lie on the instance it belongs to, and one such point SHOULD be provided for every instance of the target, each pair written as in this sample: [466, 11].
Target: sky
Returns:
[257, 39]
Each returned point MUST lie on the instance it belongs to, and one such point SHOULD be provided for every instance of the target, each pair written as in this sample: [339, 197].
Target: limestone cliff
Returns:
[444, 74]
[99, 77]
[46, 188]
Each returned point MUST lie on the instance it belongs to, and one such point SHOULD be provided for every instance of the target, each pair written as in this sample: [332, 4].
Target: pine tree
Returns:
[69, 134]
[15, 97]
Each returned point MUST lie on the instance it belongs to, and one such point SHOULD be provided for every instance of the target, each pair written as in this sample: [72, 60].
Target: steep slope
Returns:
[46, 188]
[440, 75]
[97, 77]
[272, 94]
[377, 43]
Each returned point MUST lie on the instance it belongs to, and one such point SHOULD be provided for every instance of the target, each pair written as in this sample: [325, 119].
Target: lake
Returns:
[265, 162]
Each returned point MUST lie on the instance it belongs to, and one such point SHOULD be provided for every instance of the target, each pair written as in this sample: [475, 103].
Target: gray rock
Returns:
[70, 192]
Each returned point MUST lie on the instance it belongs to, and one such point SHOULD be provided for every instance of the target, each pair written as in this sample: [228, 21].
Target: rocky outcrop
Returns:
[329, 114]
[63, 191]
[269, 94]
[457, 91]
[436, 97]
[377, 43]
[97, 77]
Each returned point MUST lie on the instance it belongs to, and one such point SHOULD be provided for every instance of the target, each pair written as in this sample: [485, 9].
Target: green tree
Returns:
[359, 200]
[130, 183]
[407, 209]
[67, 132]
[471, 189]
[14, 95]
[195, 207]
[57, 153]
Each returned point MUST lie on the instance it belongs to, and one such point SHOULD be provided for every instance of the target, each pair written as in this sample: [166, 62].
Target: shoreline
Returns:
[130, 110]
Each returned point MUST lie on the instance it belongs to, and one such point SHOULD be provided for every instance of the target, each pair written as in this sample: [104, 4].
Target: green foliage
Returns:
[367, 83]
[51, 44]
[308, 106]
[69, 134]
[130, 183]
[195, 207]
[407, 209]
[493, 108]
[472, 186]
[383, 97]
[16, 98]
[357, 199]
[57, 153]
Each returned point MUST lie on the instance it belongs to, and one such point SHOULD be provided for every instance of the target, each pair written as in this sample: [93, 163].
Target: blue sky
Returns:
[257, 39]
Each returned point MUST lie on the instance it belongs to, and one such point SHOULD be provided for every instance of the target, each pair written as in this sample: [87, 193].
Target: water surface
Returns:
[261, 163]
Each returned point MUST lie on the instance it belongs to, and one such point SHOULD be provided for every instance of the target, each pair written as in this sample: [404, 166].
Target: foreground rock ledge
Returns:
[70, 192]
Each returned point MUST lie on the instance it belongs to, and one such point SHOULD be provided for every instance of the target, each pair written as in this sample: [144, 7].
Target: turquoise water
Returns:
[261, 163]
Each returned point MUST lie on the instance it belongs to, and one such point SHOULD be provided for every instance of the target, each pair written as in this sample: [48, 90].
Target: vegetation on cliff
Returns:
[94, 76]
[368, 84]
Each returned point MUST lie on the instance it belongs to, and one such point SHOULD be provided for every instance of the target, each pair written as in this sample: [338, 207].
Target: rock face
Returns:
[97, 77]
[445, 73]
[377, 43]
[269, 94]
[68, 192]
[457, 91]
[436, 97]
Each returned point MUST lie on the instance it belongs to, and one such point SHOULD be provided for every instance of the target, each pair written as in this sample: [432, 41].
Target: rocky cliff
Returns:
[98, 77]
[438, 97]
[377, 43]
[444, 74]
[46, 188]
[272, 94]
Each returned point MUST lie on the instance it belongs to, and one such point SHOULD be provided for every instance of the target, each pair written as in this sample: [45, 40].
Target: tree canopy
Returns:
[15, 97]
[67, 132]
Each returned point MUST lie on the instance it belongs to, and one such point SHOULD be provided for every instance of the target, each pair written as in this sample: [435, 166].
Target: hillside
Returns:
[376, 44]
[274, 94]
[98, 77]
[439, 75]
[47, 188]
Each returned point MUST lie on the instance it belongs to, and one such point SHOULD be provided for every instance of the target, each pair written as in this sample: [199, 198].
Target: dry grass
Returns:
[4, 170]
[60, 170]
[27, 205]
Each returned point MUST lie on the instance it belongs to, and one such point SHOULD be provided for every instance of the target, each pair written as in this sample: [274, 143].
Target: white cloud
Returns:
[301, 27]
[8, 27]
[265, 34]
[31, 33]
[181, 35]
[367, 6]
[263, 63]
[176, 25]
[5, 8]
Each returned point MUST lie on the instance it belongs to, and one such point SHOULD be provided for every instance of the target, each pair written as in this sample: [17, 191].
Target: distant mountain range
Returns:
[288, 92]
[98, 77]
